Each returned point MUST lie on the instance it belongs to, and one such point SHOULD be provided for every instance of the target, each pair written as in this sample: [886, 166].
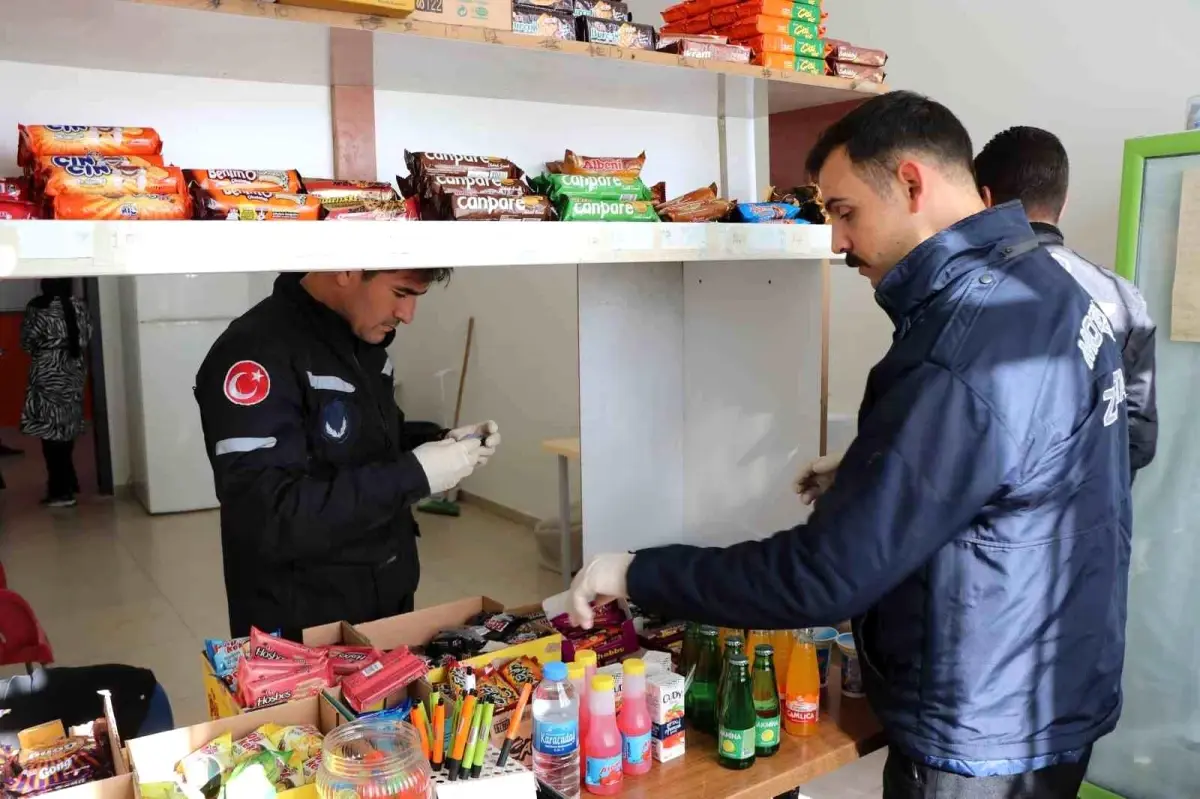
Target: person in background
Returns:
[978, 530]
[1030, 165]
[314, 465]
[55, 332]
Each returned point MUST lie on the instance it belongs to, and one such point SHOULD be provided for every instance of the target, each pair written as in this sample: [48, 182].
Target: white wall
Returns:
[524, 370]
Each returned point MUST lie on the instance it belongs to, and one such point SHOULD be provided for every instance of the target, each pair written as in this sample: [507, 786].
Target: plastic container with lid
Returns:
[374, 760]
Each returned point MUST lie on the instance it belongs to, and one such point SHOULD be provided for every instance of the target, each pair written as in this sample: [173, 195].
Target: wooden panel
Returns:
[352, 103]
[631, 405]
[794, 133]
[752, 395]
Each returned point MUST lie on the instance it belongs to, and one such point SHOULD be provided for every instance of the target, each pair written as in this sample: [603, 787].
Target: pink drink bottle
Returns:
[634, 720]
[576, 673]
[604, 772]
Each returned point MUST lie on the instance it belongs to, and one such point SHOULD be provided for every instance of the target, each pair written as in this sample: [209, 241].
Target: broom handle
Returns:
[462, 375]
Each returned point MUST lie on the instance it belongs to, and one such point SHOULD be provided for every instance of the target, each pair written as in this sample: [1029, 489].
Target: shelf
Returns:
[91, 249]
[787, 90]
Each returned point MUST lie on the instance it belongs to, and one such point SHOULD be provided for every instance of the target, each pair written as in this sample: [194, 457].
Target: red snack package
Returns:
[349, 659]
[268, 647]
[14, 189]
[680, 11]
[38, 140]
[309, 680]
[13, 209]
[575, 164]
[110, 175]
[285, 180]
[129, 206]
[391, 672]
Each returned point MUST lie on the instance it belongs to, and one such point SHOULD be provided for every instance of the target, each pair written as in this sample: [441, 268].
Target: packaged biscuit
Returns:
[391, 211]
[749, 27]
[700, 205]
[522, 671]
[258, 180]
[575, 164]
[774, 43]
[423, 164]
[582, 209]
[680, 11]
[465, 184]
[18, 209]
[603, 9]
[111, 175]
[689, 47]
[41, 140]
[596, 187]
[842, 69]
[256, 206]
[14, 189]
[470, 207]
[779, 9]
[543, 22]
[766, 212]
[344, 193]
[840, 50]
[128, 206]
[618, 34]
[567, 6]
[795, 63]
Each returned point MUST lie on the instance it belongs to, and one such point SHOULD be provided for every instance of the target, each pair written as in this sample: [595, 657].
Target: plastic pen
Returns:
[418, 720]
[513, 725]
[485, 737]
[461, 735]
[469, 752]
[439, 735]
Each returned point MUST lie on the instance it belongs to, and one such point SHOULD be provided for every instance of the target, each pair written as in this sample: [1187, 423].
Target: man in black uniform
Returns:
[315, 468]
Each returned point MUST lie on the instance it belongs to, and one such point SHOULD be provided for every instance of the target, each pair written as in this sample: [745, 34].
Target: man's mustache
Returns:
[854, 262]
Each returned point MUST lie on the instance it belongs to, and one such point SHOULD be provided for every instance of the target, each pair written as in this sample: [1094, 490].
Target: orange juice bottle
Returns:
[753, 639]
[782, 640]
[802, 697]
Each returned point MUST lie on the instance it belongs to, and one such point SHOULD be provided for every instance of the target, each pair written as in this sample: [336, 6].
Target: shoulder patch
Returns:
[247, 383]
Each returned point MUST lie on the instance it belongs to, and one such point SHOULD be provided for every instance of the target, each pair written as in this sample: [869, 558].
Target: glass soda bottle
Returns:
[734, 645]
[782, 640]
[701, 698]
[736, 731]
[766, 701]
[802, 699]
[753, 639]
[691, 648]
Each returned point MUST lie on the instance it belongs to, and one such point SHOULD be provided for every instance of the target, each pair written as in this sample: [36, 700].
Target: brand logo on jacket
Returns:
[247, 383]
[337, 422]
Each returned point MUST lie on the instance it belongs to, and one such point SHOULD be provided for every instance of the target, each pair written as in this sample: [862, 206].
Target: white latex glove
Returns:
[602, 578]
[488, 434]
[447, 462]
[817, 477]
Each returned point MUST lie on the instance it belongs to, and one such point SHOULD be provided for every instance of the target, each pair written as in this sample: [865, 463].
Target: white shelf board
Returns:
[41, 248]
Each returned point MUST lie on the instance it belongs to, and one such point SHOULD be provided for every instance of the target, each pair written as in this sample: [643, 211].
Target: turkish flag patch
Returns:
[247, 383]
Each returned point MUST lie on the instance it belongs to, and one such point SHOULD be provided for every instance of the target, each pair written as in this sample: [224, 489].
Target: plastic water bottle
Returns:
[556, 731]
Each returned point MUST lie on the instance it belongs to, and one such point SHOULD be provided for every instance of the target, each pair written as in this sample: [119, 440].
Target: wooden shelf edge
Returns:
[340, 19]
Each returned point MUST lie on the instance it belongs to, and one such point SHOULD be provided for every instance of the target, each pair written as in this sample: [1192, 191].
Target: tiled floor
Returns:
[112, 584]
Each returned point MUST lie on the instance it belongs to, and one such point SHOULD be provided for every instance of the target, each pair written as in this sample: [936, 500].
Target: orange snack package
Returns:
[111, 175]
[130, 206]
[575, 164]
[41, 140]
[257, 205]
[285, 180]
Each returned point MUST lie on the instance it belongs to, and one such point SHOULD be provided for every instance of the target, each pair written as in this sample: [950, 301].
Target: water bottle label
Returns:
[636, 748]
[603, 771]
[555, 738]
[803, 709]
[766, 732]
[737, 744]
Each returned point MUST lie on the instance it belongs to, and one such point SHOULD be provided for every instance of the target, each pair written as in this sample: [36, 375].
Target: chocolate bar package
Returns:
[468, 207]
[619, 34]
[465, 184]
[712, 51]
[567, 6]
[424, 164]
[843, 69]
[603, 9]
[535, 21]
[840, 50]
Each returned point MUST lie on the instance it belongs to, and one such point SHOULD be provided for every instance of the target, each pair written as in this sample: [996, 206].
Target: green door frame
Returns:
[1133, 169]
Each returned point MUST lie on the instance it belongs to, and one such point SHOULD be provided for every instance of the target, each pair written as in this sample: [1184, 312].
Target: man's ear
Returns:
[986, 194]
[345, 278]
[911, 175]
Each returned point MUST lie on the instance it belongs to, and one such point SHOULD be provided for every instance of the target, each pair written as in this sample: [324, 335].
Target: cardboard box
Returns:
[665, 697]
[153, 758]
[381, 8]
[494, 14]
[116, 787]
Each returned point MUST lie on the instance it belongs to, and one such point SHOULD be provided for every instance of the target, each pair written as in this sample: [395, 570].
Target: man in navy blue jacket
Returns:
[977, 531]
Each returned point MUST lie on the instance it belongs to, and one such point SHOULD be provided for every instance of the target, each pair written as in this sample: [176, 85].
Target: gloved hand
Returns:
[448, 462]
[488, 434]
[602, 577]
[817, 477]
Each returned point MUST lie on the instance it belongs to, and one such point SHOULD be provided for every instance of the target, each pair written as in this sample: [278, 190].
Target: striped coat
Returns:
[54, 397]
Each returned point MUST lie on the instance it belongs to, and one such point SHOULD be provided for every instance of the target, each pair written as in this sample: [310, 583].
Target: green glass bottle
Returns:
[766, 701]
[736, 732]
[735, 644]
[701, 698]
[691, 647]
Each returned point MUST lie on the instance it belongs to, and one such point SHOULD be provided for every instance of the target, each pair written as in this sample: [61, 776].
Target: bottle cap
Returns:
[603, 682]
[735, 640]
[556, 671]
[585, 656]
[708, 632]
[575, 671]
[762, 650]
[739, 660]
[634, 666]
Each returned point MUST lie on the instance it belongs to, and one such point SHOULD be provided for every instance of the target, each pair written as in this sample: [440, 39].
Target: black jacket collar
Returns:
[328, 322]
[1046, 233]
[986, 237]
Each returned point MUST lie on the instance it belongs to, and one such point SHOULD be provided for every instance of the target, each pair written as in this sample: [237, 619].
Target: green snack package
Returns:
[585, 209]
[594, 187]
[161, 790]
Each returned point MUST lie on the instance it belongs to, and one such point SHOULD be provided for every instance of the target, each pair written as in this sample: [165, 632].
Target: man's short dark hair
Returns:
[881, 130]
[1026, 164]
[434, 276]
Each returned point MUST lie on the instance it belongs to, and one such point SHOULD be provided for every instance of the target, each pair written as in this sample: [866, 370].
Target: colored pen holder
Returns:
[512, 781]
